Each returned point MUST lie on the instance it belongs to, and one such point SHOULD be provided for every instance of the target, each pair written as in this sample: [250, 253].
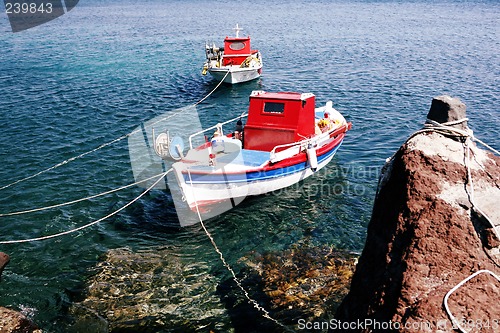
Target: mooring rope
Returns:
[252, 301]
[447, 130]
[78, 200]
[91, 223]
[448, 311]
[107, 143]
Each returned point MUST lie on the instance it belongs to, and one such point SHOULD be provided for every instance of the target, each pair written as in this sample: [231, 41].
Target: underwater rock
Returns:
[149, 291]
[4, 260]
[302, 282]
[15, 322]
[425, 236]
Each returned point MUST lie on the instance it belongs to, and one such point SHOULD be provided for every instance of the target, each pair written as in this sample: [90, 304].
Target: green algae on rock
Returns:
[149, 291]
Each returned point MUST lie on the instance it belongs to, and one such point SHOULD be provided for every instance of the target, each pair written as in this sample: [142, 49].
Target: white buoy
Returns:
[311, 156]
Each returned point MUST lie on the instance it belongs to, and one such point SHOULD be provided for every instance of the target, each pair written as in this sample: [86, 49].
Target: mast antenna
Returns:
[237, 29]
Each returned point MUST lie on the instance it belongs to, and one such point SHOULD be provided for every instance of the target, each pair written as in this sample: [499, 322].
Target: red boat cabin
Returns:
[278, 118]
[236, 50]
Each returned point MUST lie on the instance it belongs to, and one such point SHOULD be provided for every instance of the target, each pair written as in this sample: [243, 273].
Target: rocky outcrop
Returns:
[15, 322]
[12, 321]
[426, 236]
[4, 260]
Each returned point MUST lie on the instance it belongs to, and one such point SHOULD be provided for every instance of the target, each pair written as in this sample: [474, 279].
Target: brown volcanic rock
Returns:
[4, 260]
[12, 321]
[423, 240]
[15, 322]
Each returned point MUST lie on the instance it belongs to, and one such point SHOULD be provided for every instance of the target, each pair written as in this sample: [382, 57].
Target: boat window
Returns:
[236, 46]
[273, 107]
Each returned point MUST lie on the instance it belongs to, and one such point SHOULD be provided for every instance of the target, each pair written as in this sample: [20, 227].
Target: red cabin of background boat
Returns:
[236, 50]
[278, 118]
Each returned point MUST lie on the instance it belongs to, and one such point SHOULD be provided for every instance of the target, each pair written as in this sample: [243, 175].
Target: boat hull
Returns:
[236, 74]
[214, 193]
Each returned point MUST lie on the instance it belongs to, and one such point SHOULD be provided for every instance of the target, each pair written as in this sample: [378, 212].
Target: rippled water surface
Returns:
[96, 73]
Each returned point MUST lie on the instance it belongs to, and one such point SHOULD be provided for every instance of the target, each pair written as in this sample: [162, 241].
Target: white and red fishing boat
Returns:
[285, 139]
[235, 62]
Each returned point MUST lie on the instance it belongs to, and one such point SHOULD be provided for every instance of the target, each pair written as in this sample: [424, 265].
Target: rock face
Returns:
[4, 260]
[14, 322]
[425, 237]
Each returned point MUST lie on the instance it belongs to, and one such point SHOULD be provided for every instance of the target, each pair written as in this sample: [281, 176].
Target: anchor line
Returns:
[67, 232]
[71, 159]
[79, 200]
[252, 301]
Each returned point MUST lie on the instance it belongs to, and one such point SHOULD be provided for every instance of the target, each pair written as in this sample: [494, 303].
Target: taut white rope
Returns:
[78, 200]
[105, 144]
[91, 223]
[255, 304]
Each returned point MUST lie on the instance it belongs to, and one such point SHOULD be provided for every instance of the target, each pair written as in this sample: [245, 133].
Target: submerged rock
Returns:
[425, 236]
[154, 291]
[302, 282]
[149, 291]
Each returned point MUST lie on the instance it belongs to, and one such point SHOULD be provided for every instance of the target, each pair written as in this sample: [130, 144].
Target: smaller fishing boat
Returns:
[235, 62]
[285, 139]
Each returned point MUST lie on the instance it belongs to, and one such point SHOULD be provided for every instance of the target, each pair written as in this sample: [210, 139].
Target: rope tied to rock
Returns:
[447, 129]
[467, 136]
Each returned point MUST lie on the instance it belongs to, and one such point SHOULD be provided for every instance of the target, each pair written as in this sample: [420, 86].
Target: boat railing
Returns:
[302, 144]
[219, 125]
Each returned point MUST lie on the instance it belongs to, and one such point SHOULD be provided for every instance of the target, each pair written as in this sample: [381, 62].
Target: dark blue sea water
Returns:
[94, 74]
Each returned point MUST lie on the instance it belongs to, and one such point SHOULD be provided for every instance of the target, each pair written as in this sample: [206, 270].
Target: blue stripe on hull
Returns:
[224, 178]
